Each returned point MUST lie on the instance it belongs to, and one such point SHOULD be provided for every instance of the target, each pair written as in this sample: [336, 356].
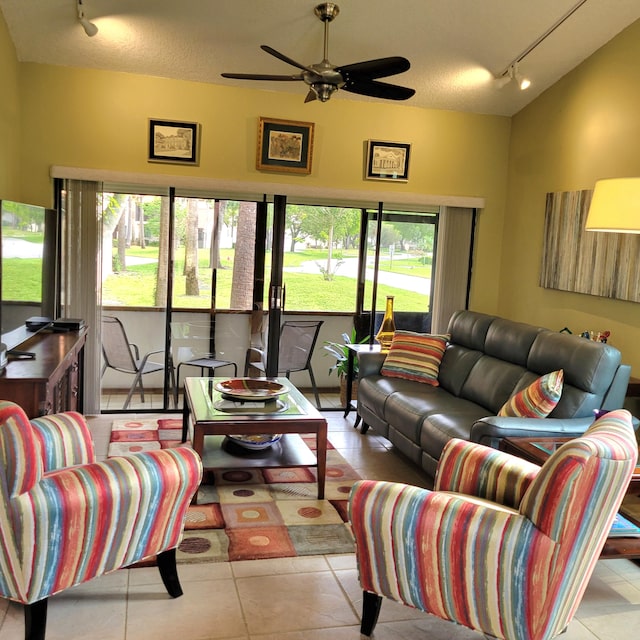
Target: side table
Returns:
[633, 389]
[355, 350]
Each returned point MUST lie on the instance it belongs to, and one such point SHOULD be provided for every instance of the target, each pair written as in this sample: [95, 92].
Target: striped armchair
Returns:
[501, 546]
[66, 518]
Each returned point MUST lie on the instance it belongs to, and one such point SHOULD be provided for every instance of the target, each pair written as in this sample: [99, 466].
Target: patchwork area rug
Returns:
[249, 514]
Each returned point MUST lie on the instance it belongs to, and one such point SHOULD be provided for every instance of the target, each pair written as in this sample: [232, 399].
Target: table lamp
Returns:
[615, 206]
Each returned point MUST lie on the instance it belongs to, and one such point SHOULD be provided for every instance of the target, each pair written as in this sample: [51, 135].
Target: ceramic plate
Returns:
[250, 388]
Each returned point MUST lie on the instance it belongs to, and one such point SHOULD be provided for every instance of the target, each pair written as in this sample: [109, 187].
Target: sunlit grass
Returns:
[135, 286]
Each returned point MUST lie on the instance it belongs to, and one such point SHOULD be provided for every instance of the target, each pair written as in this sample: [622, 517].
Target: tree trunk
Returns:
[122, 245]
[329, 275]
[214, 253]
[242, 281]
[140, 214]
[192, 287]
[111, 217]
[163, 254]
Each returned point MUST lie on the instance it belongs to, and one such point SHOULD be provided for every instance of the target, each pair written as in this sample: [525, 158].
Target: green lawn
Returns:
[304, 292]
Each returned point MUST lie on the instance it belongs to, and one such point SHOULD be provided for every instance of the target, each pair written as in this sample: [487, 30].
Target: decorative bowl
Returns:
[256, 442]
[255, 389]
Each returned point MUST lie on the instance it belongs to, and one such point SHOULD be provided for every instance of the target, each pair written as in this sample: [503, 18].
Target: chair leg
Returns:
[176, 390]
[137, 381]
[35, 620]
[357, 421]
[169, 572]
[173, 382]
[371, 603]
[364, 428]
[313, 385]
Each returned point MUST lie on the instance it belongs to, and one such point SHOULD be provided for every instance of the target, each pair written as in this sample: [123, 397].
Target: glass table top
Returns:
[208, 403]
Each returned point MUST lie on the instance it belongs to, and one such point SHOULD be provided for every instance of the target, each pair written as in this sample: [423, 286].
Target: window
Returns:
[405, 260]
[320, 269]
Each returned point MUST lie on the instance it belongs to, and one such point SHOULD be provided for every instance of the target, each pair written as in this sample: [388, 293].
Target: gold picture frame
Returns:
[284, 145]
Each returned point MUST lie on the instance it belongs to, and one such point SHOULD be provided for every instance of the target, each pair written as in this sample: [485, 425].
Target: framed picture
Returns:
[174, 142]
[284, 145]
[387, 161]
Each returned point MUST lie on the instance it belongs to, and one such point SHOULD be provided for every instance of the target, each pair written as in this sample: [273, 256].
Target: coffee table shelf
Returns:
[289, 451]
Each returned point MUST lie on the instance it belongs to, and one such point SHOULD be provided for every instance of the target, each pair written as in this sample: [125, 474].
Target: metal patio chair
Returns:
[124, 356]
[297, 342]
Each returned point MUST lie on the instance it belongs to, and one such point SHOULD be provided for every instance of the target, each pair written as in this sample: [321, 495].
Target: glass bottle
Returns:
[388, 326]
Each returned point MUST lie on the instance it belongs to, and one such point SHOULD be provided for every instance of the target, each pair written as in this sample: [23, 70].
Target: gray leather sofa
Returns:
[487, 360]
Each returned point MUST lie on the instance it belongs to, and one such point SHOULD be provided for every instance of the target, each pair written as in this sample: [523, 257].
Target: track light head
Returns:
[89, 28]
[523, 83]
[513, 74]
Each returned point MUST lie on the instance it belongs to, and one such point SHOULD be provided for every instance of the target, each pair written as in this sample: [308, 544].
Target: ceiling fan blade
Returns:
[286, 59]
[259, 76]
[376, 89]
[379, 68]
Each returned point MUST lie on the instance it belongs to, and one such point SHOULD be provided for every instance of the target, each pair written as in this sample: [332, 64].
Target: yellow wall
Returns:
[9, 118]
[585, 127]
[98, 119]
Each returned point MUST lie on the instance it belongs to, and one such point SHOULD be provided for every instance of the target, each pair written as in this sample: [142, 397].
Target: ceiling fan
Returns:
[325, 78]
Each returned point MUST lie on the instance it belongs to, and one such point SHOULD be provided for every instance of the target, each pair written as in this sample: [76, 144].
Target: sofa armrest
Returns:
[369, 364]
[492, 429]
[476, 470]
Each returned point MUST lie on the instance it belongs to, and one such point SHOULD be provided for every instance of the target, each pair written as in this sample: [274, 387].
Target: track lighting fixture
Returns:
[512, 73]
[89, 28]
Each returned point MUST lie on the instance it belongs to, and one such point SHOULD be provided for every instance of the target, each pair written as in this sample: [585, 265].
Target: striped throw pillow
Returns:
[537, 400]
[415, 356]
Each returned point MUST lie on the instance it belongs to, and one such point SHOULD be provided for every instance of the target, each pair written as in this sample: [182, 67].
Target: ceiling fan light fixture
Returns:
[89, 28]
[324, 78]
[323, 90]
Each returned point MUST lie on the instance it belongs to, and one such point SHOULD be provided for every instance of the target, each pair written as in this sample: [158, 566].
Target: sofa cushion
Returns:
[510, 341]
[440, 427]
[469, 329]
[492, 382]
[407, 407]
[589, 367]
[415, 356]
[537, 400]
[456, 365]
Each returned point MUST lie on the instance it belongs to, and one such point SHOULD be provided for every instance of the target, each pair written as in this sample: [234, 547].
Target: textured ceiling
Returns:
[455, 46]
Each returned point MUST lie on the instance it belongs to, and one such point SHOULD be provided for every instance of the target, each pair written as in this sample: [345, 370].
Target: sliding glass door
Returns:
[399, 257]
[191, 274]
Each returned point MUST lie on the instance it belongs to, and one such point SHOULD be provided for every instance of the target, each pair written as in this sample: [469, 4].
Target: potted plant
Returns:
[340, 352]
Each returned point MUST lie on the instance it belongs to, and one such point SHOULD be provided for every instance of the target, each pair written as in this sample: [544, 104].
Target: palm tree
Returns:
[243, 260]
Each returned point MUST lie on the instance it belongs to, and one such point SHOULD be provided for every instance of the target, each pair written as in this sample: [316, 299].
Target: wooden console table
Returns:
[50, 382]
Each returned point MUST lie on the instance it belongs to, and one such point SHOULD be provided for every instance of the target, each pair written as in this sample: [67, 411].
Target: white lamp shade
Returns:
[615, 206]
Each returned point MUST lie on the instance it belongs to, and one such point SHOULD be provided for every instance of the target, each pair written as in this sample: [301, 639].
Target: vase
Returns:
[388, 326]
[343, 390]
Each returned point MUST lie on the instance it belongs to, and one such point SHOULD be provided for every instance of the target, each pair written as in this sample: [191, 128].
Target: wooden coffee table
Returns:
[212, 417]
[537, 450]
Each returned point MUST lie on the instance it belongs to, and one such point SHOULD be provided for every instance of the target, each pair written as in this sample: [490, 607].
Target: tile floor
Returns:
[307, 598]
